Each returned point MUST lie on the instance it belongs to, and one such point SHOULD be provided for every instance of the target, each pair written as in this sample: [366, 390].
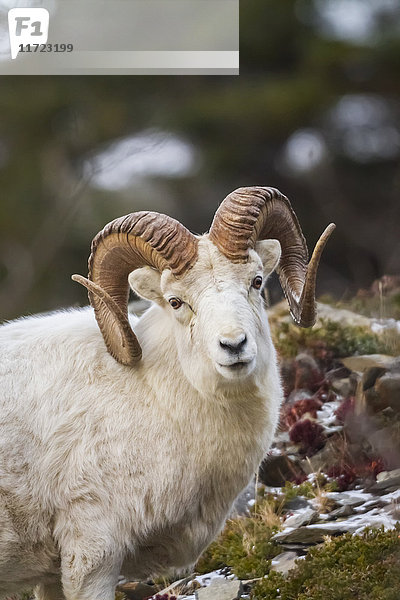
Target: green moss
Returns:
[331, 336]
[291, 490]
[365, 567]
[244, 546]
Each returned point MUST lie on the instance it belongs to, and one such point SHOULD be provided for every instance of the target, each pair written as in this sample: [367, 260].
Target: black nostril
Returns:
[233, 345]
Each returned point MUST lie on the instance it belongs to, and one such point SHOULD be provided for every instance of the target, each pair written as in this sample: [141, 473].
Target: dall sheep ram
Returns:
[126, 457]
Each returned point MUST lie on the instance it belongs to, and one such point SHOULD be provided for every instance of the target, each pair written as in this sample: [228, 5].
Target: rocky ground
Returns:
[338, 444]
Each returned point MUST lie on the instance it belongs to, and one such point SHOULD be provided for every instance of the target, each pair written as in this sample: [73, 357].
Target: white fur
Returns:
[106, 468]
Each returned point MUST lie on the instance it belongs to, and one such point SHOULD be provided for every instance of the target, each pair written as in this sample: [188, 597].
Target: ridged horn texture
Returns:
[258, 213]
[128, 243]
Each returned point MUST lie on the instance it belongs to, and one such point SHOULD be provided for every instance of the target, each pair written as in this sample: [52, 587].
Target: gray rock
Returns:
[384, 442]
[371, 375]
[341, 315]
[344, 387]
[297, 503]
[342, 511]
[388, 389]
[298, 548]
[325, 313]
[352, 498]
[301, 517]
[373, 402]
[312, 534]
[276, 470]
[324, 458]
[220, 589]
[303, 535]
[387, 479]
[395, 366]
[393, 510]
[367, 361]
[284, 562]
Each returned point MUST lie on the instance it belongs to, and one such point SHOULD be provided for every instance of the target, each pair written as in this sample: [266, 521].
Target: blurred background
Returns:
[314, 112]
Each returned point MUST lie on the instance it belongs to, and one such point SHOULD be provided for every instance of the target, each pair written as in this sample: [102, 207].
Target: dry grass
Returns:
[270, 515]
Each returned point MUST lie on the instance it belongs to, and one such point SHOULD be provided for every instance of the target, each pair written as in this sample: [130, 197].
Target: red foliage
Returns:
[346, 409]
[372, 467]
[366, 468]
[293, 412]
[344, 475]
[309, 434]
[376, 466]
[299, 479]
[324, 392]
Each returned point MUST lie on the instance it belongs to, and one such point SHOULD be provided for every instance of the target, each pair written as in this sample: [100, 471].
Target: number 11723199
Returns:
[46, 47]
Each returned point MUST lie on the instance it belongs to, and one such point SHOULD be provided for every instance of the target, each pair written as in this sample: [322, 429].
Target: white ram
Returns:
[128, 461]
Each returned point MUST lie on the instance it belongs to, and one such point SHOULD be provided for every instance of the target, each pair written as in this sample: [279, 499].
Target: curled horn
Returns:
[128, 243]
[258, 213]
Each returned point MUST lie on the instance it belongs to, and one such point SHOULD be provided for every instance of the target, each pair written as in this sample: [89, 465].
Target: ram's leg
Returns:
[89, 577]
[49, 591]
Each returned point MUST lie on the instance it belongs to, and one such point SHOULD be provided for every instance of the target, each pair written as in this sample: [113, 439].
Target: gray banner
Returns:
[60, 37]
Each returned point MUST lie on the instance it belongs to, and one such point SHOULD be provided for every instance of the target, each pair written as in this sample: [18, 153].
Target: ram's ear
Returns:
[145, 282]
[270, 253]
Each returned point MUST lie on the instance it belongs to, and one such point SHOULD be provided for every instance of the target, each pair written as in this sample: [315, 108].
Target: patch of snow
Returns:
[206, 579]
[273, 490]
[382, 325]
[391, 497]
[333, 429]
[356, 523]
[326, 414]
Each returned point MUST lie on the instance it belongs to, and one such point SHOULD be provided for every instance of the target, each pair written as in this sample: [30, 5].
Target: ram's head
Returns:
[211, 284]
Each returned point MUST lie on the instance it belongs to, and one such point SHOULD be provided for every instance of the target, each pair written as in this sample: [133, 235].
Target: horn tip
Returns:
[330, 228]
[79, 279]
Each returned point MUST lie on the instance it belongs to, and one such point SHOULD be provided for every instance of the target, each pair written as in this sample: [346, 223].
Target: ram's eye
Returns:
[257, 282]
[175, 303]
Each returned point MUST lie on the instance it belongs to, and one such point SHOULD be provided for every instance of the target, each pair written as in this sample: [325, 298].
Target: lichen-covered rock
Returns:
[284, 562]
[220, 589]
[388, 479]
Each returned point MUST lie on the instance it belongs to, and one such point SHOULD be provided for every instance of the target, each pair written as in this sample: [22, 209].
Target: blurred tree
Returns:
[315, 112]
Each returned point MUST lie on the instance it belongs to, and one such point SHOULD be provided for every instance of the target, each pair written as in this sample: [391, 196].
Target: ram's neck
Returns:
[156, 338]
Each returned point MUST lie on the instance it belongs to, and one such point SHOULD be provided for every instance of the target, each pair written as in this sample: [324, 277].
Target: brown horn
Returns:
[258, 213]
[128, 243]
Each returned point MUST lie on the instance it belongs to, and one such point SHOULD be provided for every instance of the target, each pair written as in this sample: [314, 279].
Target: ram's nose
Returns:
[233, 345]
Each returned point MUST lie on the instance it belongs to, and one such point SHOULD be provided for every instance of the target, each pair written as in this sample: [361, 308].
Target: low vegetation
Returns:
[329, 340]
[245, 547]
[366, 567]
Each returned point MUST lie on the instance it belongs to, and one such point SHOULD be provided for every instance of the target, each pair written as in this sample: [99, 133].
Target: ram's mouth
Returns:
[240, 368]
[236, 366]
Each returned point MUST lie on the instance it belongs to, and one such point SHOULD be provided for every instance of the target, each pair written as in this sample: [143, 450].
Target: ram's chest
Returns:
[209, 462]
[188, 505]
[190, 489]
